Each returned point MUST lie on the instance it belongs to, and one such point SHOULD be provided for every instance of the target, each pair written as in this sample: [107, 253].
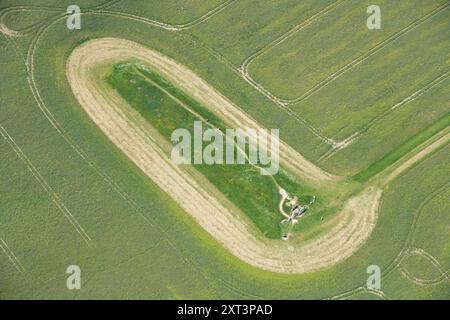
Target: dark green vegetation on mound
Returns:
[146, 246]
[256, 195]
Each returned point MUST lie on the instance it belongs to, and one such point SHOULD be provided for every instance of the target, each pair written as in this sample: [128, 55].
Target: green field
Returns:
[254, 194]
[57, 164]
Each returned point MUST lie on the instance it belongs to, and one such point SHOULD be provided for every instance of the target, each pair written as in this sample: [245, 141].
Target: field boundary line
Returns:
[47, 188]
[11, 256]
[361, 289]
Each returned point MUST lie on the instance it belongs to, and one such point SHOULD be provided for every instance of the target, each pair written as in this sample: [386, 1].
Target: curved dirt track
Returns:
[8, 32]
[138, 141]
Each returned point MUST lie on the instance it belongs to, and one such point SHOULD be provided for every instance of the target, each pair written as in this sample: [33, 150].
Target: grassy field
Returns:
[246, 28]
[256, 195]
[423, 53]
[172, 11]
[330, 43]
[145, 246]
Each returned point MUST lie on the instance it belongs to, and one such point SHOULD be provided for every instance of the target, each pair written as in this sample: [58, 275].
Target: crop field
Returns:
[87, 122]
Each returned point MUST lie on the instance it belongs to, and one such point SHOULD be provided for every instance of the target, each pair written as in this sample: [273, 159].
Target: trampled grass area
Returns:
[146, 246]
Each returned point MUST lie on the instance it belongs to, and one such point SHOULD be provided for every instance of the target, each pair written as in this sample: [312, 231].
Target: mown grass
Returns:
[256, 195]
[359, 96]
[421, 268]
[168, 255]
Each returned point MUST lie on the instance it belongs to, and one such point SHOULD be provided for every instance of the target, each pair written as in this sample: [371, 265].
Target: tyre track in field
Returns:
[11, 256]
[282, 103]
[32, 68]
[168, 26]
[412, 97]
[207, 15]
[15, 33]
[243, 70]
[407, 244]
[188, 193]
[397, 261]
[368, 54]
[444, 274]
[47, 188]
[285, 104]
[289, 33]
[351, 293]
[29, 63]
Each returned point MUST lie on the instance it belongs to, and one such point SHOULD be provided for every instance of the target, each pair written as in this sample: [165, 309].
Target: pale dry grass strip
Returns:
[357, 219]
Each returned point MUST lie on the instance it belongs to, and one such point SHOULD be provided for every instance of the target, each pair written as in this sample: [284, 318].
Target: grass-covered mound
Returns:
[167, 108]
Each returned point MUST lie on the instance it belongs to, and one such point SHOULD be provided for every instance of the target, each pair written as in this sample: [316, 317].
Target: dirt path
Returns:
[197, 197]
